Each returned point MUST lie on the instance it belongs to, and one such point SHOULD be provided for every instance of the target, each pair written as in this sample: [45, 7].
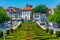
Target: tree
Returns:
[51, 17]
[56, 17]
[41, 9]
[3, 15]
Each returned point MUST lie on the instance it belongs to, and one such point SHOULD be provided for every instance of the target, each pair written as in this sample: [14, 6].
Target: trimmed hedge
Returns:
[47, 30]
[57, 33]
[7, 32]
[51, 32]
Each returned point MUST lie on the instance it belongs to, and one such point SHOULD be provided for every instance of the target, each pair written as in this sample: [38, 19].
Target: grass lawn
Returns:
[30, 31]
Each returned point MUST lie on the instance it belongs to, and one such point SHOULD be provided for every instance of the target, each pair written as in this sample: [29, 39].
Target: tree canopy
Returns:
[56, 16]
[41, 9]
[3, 15]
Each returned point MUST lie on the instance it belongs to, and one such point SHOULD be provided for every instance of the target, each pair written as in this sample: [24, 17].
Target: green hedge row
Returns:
[51, 32]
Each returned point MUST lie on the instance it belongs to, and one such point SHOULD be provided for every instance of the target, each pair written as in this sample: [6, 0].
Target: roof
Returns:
[13, 10]
[27, 8]
[49, 9]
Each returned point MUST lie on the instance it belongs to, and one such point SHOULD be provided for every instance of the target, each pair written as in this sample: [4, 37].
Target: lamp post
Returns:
[10, 24]
[46, 23]
[4, 33]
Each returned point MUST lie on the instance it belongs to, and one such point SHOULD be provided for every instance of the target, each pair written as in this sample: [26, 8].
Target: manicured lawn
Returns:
[30, 30]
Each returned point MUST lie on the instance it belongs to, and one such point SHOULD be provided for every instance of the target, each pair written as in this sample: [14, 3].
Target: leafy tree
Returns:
[3, 15]
[56, 17]
[41, 9]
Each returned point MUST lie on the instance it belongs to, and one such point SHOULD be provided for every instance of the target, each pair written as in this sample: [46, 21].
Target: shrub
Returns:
[57, 33]
[20, 25]
[47, 30]
[1, 34]
[7, 32]
[51, 32]
[12, 31]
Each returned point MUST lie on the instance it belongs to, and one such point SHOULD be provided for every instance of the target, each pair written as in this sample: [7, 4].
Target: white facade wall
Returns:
[23, 14]
[14, 15]
[51, 11]
[36, 16]
[26, 14]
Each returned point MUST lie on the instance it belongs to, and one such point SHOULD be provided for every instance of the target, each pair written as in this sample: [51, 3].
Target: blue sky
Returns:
[22, 3]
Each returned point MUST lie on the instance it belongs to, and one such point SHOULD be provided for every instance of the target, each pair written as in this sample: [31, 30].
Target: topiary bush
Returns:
[12, 31]
[51, 32]
[57, 33]
[47, 30]
[1, 34]
[7, 32]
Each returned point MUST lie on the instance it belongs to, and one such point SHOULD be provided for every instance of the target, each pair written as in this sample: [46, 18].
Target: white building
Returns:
[36, 16]
[17, 13]
[26, 12]
[14, 13]
[51, 10]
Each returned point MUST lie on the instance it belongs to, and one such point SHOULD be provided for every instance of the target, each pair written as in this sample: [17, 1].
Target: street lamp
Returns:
[4, 33]
[10, 24]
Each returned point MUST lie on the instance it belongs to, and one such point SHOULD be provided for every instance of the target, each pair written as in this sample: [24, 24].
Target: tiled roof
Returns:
[27, 8]
[13, 10]
[49, 9]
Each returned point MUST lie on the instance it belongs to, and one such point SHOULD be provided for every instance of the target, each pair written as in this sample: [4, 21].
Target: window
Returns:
[36, 16]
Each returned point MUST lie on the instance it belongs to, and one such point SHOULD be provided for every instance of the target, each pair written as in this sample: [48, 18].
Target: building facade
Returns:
[36, 16]
[26, 12]
[17, 13]
[14, 13]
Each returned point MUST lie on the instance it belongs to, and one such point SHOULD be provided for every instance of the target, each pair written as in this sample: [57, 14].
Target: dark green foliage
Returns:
[47, 30]
[1, 34]
[41, 9]
[51, 32]
[11, 30]
[20, 25]
[7, 32]
[57, 33]
[42, 38]
[3, 15]
[56, 17]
